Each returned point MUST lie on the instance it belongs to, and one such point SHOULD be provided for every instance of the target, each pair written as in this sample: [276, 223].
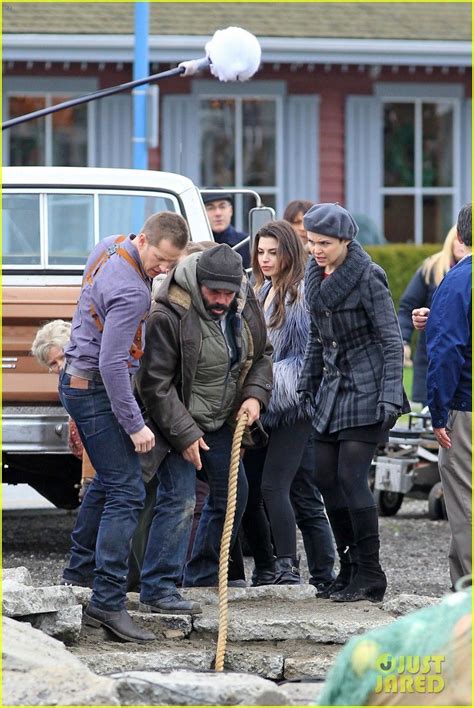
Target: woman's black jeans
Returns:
[281, 482]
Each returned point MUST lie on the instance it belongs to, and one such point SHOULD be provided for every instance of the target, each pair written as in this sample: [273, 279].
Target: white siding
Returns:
[301, 148]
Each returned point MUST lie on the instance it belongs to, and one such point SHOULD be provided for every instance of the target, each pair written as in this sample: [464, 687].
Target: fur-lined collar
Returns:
[180, 288]
[335, 289]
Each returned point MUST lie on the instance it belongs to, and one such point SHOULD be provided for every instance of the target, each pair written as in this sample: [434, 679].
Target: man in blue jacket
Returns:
[219, 212]
[449, 347]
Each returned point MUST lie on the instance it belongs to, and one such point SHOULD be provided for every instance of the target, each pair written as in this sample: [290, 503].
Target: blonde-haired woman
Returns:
[48, 349]
[49, 342]
[419, 293]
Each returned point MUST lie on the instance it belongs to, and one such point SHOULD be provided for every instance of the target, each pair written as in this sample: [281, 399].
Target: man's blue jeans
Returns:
[165, 555]
[109, 512]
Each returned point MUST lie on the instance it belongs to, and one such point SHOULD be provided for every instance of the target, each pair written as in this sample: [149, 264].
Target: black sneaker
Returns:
[323, 590]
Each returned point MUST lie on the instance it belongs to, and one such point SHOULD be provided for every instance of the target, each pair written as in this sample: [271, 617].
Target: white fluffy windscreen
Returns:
[234, 54]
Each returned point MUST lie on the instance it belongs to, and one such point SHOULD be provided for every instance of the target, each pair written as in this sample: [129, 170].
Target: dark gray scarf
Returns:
[335, 289]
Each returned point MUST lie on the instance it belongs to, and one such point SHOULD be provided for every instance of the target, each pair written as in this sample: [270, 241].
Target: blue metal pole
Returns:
[140, 70]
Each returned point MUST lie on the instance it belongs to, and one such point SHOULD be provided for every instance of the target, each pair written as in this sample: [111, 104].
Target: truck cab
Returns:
[52, 218]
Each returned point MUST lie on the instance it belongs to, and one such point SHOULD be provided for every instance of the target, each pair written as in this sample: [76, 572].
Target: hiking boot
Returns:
[172, 604]
[119, 623]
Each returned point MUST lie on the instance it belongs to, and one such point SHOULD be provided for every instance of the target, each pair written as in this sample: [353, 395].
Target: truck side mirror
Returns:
[258, 216]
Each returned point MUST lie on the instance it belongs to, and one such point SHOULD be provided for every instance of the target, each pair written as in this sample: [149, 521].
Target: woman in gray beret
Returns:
[352, 372]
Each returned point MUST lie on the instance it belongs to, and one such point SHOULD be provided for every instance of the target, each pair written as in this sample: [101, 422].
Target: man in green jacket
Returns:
[206, 363]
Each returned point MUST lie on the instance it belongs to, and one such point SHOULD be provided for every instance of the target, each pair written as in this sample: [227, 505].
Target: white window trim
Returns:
[273, 90]
[47, 87]
[418, 94]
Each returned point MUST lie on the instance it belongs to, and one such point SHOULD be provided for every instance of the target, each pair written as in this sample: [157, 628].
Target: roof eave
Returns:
[286, 50]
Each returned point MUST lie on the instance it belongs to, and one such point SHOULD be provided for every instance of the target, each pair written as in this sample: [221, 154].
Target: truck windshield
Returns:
[57, 229]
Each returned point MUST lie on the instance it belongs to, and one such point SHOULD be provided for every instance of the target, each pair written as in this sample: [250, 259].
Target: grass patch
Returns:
[408, 381]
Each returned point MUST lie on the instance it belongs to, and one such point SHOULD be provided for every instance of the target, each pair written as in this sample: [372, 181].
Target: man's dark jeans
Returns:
[109, 513]
[165, 556]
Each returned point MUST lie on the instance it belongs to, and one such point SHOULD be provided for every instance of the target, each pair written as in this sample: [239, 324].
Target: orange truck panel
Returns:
[25, 310]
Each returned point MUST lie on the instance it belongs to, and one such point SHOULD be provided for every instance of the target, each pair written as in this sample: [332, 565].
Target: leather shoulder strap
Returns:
[99, 262]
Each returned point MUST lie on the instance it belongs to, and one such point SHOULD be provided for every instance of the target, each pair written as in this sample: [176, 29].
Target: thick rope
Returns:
[225, 541]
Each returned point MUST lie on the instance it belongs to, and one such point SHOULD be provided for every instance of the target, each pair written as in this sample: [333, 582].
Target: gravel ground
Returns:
[414, 549]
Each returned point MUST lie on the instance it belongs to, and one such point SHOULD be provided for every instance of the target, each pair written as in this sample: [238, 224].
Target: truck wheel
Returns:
[388, 503]
[436, 504]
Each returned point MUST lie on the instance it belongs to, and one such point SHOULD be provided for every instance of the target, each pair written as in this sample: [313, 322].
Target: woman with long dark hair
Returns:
[278, 262]
[352, 372]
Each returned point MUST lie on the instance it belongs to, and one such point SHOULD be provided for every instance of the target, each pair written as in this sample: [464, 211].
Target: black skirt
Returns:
[361, 433]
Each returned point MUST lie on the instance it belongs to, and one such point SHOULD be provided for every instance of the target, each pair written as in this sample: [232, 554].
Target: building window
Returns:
[60, 139]
[420, 180]
[239, 147]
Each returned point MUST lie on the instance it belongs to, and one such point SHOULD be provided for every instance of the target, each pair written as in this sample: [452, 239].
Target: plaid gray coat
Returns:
[354, 355]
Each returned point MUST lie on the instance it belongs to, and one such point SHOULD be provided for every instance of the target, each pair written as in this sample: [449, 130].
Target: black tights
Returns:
[277, 465]
[342, 473]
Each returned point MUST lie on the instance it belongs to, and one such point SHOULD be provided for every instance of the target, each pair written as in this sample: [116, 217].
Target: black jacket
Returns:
[418, 293]
[354, 356]
[232, 237]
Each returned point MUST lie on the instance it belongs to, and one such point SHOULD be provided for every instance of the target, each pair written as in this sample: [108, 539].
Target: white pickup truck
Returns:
[52, 218]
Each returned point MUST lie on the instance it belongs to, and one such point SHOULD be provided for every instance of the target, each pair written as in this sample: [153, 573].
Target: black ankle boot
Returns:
[369, 582]
[264, 574]
[341, 525]
[287, 571]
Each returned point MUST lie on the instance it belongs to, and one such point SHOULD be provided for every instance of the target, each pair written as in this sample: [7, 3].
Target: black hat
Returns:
[216, 197]
[220, 268]
[331, 220]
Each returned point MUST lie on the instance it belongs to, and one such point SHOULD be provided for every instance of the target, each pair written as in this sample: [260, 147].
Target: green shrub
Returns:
[400, 261]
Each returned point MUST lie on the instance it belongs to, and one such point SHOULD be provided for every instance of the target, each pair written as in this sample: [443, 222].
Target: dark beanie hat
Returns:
[208, 197]
[331, 220]
[220, 268]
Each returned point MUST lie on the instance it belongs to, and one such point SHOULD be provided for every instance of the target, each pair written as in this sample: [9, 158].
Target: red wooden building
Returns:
[368, 104]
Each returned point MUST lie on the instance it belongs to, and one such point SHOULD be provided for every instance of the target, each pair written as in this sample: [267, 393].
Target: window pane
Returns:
[70, 228]
[437, 217]
[399, 144]
[122, 213]
[259, 143]
[217, 121]
[69, 135]
[437, 145]
[399, 219]
[26, 140]
[21, 229]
